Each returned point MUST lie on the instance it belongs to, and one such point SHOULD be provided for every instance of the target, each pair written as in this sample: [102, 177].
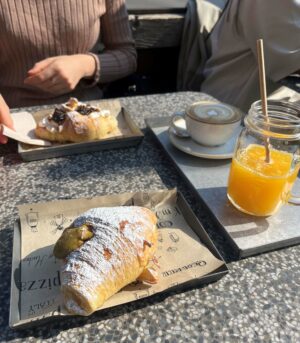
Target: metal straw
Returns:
[263, 90]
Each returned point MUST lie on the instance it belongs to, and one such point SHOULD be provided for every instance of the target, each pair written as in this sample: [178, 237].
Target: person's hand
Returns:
[5, 119]
[61, 74]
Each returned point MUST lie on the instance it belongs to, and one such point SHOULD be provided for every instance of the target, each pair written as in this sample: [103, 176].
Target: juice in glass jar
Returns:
[257, 187]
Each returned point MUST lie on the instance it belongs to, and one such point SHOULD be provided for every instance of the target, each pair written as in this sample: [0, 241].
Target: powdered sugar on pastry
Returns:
[75, 121]
[100, 113]
[75, 308]
[78, 121]
[118, 234]
[49, 125]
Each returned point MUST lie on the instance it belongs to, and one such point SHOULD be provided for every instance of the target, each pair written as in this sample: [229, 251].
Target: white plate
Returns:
[190, 147]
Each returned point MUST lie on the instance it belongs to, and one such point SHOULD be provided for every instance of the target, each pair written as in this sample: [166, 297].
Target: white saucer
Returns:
[190, 147]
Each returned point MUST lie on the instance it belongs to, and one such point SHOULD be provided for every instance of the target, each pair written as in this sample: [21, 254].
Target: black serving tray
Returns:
[189, 216]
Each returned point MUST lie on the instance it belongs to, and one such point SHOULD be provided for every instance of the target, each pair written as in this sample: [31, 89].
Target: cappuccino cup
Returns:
[208, 123]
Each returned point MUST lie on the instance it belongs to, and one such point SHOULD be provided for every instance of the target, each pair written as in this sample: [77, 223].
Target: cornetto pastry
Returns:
[77, 122]
[104, 250]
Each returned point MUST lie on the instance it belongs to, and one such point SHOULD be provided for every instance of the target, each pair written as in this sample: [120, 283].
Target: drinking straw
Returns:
[263, 90]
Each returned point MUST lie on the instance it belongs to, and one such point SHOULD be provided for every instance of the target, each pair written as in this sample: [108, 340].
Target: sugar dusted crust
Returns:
[77, 122]
[124, 240]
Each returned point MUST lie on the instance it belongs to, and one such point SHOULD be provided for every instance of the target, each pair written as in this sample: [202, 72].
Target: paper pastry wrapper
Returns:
[25, 123]
[180, 256]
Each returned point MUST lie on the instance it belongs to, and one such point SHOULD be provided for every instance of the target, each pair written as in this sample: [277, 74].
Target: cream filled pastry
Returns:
[104, 250]
[75, 121]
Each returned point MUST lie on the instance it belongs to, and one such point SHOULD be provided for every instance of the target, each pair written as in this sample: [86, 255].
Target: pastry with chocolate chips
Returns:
[77, 122]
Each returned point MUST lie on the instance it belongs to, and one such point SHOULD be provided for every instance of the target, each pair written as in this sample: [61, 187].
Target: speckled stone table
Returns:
[258, 301]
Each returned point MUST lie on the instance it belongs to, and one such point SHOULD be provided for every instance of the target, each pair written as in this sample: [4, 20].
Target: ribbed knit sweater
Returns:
[32, 30]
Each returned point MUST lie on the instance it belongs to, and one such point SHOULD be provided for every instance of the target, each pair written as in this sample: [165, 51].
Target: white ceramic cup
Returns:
[208, 123]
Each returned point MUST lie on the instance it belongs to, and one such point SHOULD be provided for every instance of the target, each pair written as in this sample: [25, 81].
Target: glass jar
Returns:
[256, 185]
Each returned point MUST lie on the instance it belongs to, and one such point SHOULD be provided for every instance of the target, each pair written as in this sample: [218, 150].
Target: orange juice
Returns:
[257, 187]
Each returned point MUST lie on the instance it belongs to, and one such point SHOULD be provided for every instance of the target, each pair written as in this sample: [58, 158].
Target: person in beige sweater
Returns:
[49, 51]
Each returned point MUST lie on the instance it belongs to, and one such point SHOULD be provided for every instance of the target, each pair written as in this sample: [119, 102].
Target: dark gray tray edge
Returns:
[14, 315]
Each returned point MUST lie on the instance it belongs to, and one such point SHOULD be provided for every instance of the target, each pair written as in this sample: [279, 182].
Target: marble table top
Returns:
[258, 301]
